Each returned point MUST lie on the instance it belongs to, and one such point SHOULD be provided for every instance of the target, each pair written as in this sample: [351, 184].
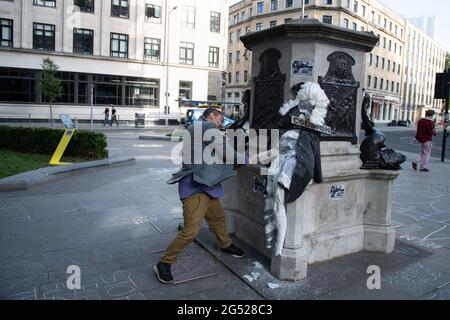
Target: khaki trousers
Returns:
[195, 208]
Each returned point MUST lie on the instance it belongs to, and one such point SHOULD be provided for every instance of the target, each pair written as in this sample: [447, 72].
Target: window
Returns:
[238, 35]
[383, 61]
[289, 4]
[230, 58]
[231, 37]
[45, 3]
[375, 82]
[152, 49]
[247, 30]
[328, 2]
[387, 85]
[185, 91]
[238, 56]
[243, 16]
[43, 36]
[355, 26]
[119, 45]
[214, 24]
[6, 33]
[153, 13]
[385, 23]
[213, 57]
[345, 23]
[245, 76]
[238, 77]
[392, 86]
[327, 19]
[355, 6]
[17, 85]
[260, 7]
[393, 67]
[369, 81]
[370, 59]
[186, 53]
[390, 45]
[389, 65]
[188, 17]
[229, 77]
[377, 61]
[120, 8]
[141, 92]
[363, 11]
[85, 5]
[259, 26]
[384, 42]
[381, 83]
[83, 41]
[273, 5]
[346, 3]
[273, 23]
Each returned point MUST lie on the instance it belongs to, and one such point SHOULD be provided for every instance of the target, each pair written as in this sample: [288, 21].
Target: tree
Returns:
[447, 61]
[51, 85]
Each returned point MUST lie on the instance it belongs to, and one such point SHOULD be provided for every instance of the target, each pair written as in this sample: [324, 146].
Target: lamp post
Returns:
[303, 9]
[92, 106]
[167, 27]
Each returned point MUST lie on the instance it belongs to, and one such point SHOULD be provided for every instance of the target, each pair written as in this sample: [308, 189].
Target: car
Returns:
[402, 123]
[194, 114]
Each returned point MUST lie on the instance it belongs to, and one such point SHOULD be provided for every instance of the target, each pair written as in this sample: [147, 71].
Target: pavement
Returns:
[115, 224]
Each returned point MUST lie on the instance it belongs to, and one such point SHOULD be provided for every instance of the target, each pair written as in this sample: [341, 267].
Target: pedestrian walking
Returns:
[199, 187]
[424, 135]
[113, 117]
[106, 113]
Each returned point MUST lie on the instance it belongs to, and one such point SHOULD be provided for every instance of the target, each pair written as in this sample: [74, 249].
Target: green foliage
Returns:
[50, 83]
[84, 144]
[447, 60]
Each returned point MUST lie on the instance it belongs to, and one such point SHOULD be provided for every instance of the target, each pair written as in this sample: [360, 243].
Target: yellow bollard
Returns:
[55, 160]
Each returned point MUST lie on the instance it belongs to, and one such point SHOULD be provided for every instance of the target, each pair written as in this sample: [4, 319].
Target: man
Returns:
[199, 186]
[425, 133]
[106, 113]
[113, 117]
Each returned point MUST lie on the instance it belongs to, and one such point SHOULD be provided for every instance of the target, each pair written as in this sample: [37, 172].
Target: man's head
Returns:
[214, 116]
[429, 113]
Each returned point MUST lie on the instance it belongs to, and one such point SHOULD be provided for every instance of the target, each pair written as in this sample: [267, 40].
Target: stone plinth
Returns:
[319, 228]
[351, 211]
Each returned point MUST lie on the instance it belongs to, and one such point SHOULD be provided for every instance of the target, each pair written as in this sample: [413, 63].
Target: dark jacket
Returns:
[308, 164]
[207, 174]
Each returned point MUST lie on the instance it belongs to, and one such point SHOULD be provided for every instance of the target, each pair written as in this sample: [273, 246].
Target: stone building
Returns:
[386, 80]
[119, 46]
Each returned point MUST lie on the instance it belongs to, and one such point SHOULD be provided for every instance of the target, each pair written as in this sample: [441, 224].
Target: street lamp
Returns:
[303, 9]
[167, 27]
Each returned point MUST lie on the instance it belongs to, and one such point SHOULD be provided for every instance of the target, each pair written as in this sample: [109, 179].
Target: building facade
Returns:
[385, 65]
[112, 52]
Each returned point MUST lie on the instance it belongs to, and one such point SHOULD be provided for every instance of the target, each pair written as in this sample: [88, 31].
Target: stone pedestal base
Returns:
[292, 265]
[320, 227]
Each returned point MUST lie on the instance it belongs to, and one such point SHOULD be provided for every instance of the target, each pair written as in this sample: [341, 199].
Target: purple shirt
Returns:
[188, 187]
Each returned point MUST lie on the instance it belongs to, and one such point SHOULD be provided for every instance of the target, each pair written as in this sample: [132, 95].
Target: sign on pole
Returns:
[68, 134]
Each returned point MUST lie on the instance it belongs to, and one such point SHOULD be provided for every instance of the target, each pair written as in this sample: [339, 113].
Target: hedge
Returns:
[84, 144]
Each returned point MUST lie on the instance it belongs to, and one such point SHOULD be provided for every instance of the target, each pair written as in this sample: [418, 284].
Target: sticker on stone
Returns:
[302, 68]
[337, 192]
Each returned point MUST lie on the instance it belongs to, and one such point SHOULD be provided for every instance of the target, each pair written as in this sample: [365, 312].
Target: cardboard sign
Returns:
[306, 124]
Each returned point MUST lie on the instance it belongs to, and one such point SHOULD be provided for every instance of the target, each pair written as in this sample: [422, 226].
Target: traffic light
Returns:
[441, 87]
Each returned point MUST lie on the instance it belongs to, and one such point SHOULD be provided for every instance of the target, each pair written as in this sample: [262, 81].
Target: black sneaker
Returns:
[424, 170]
[234, 251]
[414, 165]
[162, 271]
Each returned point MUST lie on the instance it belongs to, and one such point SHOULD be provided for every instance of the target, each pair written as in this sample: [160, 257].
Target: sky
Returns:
[418, 8]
